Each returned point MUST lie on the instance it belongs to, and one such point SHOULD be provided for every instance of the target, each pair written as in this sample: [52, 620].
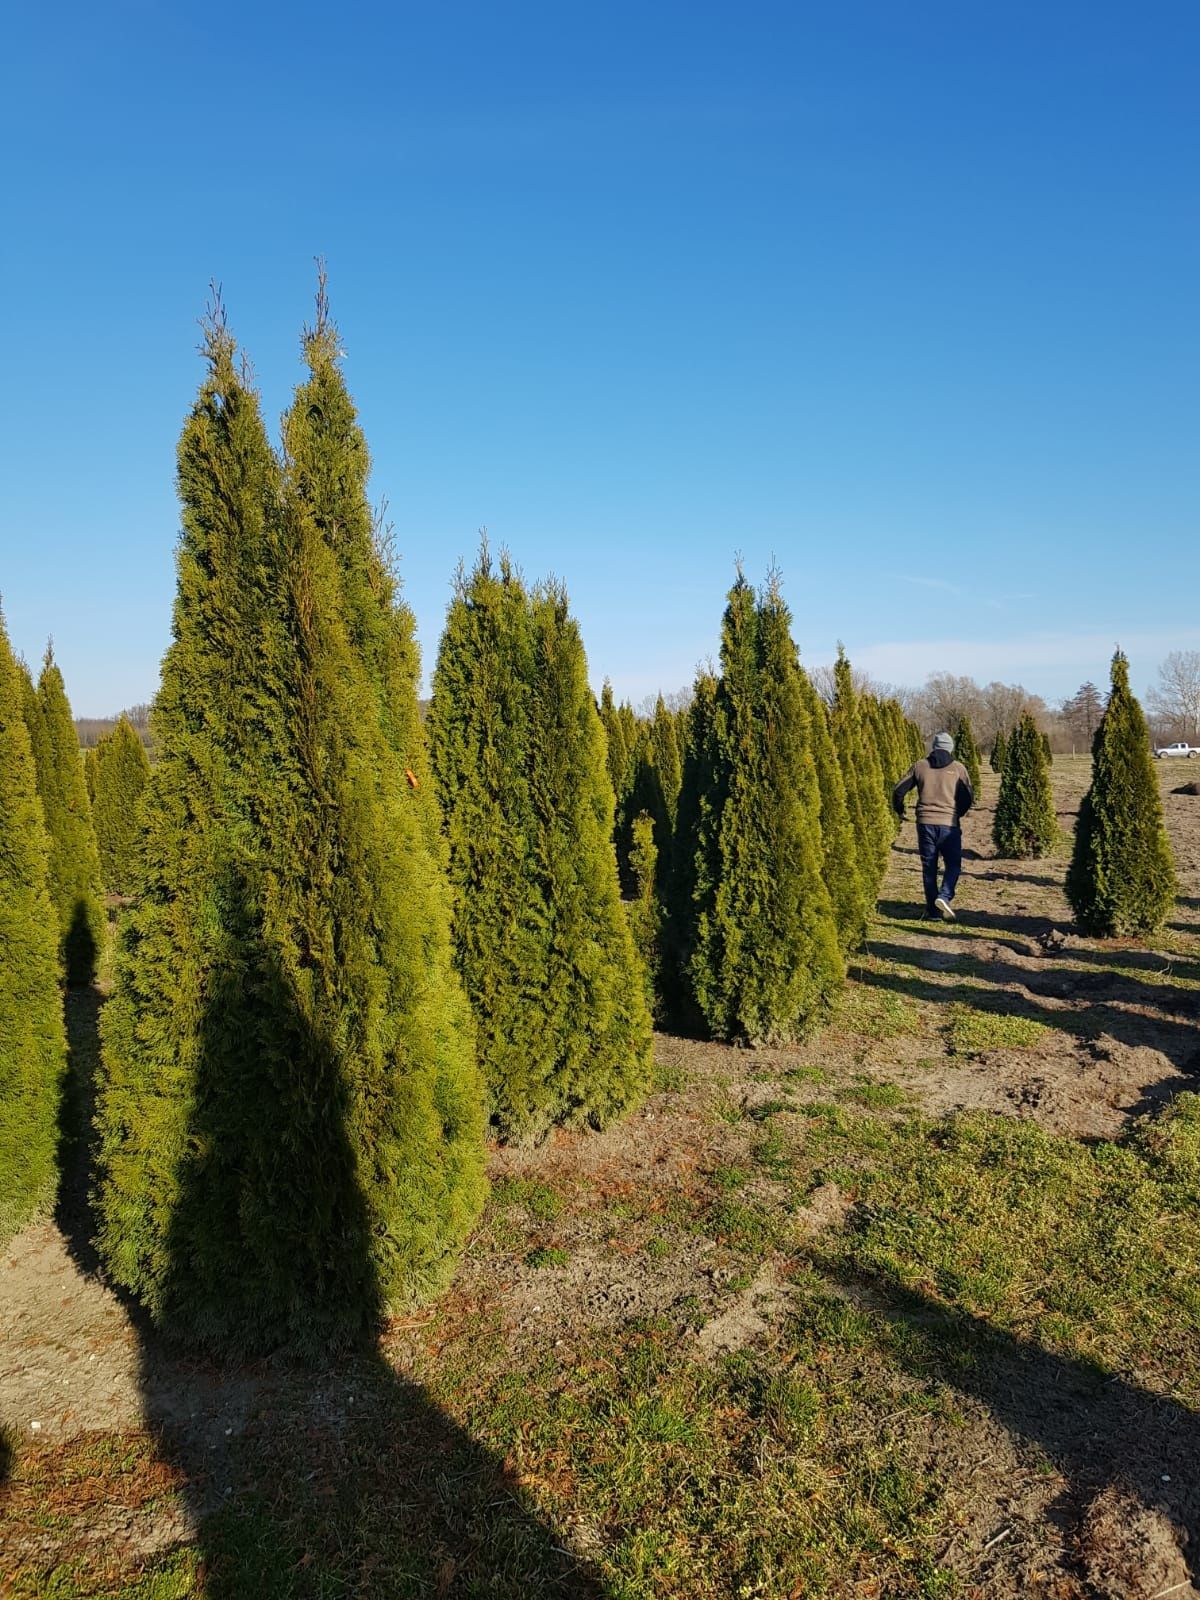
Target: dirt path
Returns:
[1003, 1011]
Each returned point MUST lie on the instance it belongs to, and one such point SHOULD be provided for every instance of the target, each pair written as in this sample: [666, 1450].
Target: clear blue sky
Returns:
[903, 295]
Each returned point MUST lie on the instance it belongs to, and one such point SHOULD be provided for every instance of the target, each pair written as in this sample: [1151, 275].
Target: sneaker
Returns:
[945, 909]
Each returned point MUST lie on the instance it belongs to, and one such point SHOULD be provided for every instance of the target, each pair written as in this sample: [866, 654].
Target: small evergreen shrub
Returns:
[1025, 823]
[967, 751]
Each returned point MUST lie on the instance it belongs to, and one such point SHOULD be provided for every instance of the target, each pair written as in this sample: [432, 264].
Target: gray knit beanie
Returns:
[943, 741]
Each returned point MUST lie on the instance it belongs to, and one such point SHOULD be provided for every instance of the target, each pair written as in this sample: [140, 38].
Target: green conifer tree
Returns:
[967, 751]
[766, 965]
[1121, 880]
[841, 868]
[1047, 749]
[1025, 823]
[695, 866]
[645, 909]
[541, 937]
[665, 744]
[122, 771]
[289, 1115]
[999, 752]
[75, 883]
[91, 764]
[614, 732]
[870, 811]
[32, 1041]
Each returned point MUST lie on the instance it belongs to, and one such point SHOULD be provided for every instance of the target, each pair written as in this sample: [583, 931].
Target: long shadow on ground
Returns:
[1100, 1430]
[1178, 1041]
[313, 1477]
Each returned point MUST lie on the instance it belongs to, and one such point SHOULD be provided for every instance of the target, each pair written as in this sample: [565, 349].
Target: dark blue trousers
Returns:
[934, 842]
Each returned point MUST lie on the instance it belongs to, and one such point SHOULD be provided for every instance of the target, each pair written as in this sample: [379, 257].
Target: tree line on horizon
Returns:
[351, 940]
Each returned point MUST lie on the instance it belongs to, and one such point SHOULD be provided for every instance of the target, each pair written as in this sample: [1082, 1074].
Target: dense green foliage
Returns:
[614, 733]
[1121, 880]
[765, 965]
[841, 870]
[289, 1113]
[32, 1040]
[645, 910]
[999, 752]
[541, 938]
[862, 772]
[120, 773]
[75, 884]
[1025, 823]
[967, 751]
[1047, 749]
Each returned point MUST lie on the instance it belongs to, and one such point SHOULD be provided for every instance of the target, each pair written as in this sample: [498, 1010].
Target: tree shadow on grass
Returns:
[1178, 1041]
[1099, 1430]
[72, 1211]
[1004, 922]
[313, 1470]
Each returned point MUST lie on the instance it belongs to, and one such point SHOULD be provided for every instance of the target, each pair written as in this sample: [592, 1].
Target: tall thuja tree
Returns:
[1122, 877]
[32, 1042]
[75, 882]
[862, 771]
[614, 732]
[122, 771]
[967, 751]
[1025, 823]
[695, 865]
[664, 738]
[542, 940]
[999, 752]
[841, 870]
[290, 1134]
[766, 966]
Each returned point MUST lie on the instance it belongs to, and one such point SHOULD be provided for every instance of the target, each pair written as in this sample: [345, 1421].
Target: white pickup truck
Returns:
[1177, 749]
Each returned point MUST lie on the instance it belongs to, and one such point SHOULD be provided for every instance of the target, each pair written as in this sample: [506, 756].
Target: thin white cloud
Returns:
[1051, 664]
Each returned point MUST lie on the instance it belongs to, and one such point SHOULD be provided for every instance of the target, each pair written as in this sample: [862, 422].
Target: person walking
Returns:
[943, 798]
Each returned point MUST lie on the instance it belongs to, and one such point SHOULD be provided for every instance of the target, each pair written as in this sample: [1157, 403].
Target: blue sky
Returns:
[902, 296]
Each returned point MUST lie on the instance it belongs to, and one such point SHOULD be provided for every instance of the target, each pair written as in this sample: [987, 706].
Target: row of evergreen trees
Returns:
[61, 851]
[348, 951]
[1121, 880]
[753, 830]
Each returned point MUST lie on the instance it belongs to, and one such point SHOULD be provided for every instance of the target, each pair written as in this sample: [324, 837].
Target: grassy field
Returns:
[913, 1310]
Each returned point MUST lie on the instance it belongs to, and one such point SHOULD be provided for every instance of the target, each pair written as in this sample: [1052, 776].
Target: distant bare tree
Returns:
[946, 699]
[1174, 701]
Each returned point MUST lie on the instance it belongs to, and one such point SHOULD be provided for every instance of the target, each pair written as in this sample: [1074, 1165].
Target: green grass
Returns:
[877, 1013]
[971, 1032]
[547, 1256]
[542, 1202]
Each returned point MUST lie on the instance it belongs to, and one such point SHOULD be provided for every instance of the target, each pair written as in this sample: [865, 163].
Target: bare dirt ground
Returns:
[1055, 1485]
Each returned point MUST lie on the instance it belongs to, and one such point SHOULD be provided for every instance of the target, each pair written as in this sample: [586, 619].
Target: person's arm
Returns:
[964, 797]
[907, 782]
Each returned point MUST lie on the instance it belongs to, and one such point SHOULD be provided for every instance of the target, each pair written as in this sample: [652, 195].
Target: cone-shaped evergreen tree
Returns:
[695, 866]
[74, 859]
[645, 909]
[665, 742]
[840, 865]
[1047, 749]
[1122, 877]
[614, 732]
[862, 773]
[999, 752]
[289, 1116]
[766, 966]
[541, 937]
[1025, 823]
[32, 1041]
[967, 751]
[122, 771]
[91, 764]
